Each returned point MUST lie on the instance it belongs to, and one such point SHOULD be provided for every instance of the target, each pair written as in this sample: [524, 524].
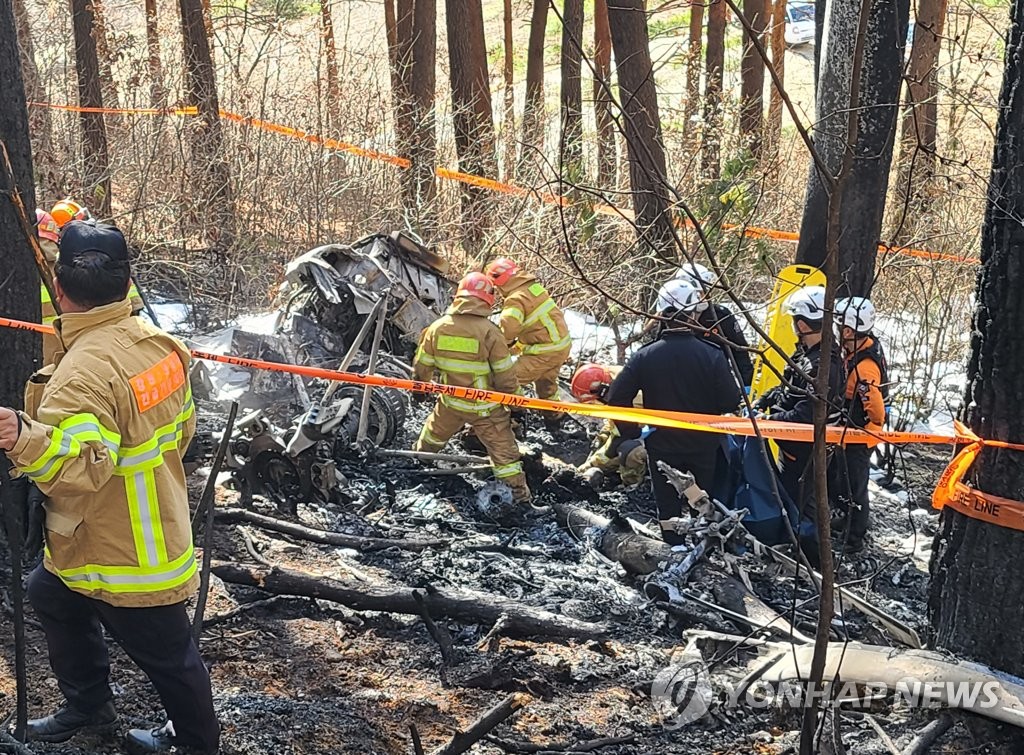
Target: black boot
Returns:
[68, 721]
[148, 741]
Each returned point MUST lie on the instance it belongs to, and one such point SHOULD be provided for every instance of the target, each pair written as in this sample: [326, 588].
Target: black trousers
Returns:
[854, 473]
[158, 639]
[795, 474]
[700, 464]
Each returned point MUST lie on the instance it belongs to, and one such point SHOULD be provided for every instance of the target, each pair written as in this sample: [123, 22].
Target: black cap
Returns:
[80, 237]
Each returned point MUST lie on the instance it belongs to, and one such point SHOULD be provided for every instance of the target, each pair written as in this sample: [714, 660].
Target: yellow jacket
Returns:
[531, 317]
[102, 435]
[466, 349]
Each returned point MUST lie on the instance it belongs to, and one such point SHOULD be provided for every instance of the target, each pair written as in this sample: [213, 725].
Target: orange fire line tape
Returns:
[491, 184]
[678, 420]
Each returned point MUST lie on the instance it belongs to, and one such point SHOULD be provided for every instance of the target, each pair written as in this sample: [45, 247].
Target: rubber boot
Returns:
[67, 722]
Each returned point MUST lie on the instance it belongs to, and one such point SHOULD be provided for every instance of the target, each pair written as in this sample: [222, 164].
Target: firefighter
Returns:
[102, 436]
[720, 324]
[49, 236]
[678, 372]
[793, 400]
[610, 452]
[533, 325]
[466, 349]
[865, 397]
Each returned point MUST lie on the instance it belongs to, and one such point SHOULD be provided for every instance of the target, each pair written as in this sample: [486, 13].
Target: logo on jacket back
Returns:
[158, 382]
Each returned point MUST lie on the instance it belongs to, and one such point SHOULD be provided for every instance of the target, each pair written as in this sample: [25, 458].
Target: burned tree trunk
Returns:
[920, 120]
[19, 297]
[401, 80]
[472, 114]
[977, 588]
[570, 143]
[863, 201]
[157, 91]
[331, 59]
[773, 127]
[714, 68]
[96, 173]
[216, 203]
[423, 82]
[533, 112]
[508, 116]
[752, 87]
[694, 56]
[639, 98]
[607, 159]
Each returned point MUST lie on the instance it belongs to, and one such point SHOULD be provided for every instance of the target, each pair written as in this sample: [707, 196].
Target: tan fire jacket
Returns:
[531, 317]
[51, 344]
[102, 435]
[466, 349]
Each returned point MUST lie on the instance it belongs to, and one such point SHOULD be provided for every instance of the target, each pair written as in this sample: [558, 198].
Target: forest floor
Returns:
[302, 676]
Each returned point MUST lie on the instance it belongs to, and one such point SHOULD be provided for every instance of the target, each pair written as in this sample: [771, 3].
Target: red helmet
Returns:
[500, 270]
[590, 382]
[478, 285]
[46, 226]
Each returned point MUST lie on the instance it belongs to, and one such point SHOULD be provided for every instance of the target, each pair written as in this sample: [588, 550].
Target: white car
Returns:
[799, 23]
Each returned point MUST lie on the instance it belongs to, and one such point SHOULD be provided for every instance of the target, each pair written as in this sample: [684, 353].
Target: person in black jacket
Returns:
[719, 324]
[678, 372]
[792, 401]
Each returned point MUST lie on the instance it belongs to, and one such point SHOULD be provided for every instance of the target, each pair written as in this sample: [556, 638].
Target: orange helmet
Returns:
[478, 285]
[590, 382]
[66, 210]
[46, 226]
[500, 270]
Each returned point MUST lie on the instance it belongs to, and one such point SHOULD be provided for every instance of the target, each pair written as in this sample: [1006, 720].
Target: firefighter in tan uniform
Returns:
[534, 326]
[610, 453]
[102, 436]
[466, 349]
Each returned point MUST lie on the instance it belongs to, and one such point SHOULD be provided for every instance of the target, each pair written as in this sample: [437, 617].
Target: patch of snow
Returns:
[173, 316]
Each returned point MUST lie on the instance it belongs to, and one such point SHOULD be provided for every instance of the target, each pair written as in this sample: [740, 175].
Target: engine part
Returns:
[495, 500]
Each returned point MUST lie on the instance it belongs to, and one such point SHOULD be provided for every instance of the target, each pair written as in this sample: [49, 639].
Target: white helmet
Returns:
[701, 276]
[681, 294]
[856, 313]
[808, 303]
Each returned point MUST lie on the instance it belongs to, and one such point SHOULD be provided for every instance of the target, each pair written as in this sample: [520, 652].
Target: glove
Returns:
[33, 523]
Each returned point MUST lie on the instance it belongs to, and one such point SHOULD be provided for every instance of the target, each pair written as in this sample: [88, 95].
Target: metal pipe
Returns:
[428, 456]
[364, 410]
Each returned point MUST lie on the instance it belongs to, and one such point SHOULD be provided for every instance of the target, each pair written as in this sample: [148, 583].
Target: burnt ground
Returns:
[300, 676]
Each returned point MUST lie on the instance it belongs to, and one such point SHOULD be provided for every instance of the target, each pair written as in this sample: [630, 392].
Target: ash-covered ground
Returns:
[298, 676]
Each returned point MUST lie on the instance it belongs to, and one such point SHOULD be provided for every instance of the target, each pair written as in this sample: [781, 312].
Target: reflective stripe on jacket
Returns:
[466, 349]
[102, 436]
[531, 317]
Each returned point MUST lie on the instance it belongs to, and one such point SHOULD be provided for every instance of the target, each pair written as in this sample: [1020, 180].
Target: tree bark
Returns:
[639, 98]
[714, 70]
[217, 206]
[103, 54]
[508, 118]
[863, 200]
[472, 114]
[920, 119]
[331, 59]
[96, 174]
[157, 91]
[773, 128]
[533, 111]
[976, 588]
[752, 74]
[20, 295]
[607, 159]
[570, 146]
[460, 605]
[39, 117]
[694, 55]
[401, 93]
[424, 90]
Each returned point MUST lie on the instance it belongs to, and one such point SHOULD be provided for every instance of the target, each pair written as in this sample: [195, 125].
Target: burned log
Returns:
[463, 741]
[234, 516]
[460, 605]
[614, 539]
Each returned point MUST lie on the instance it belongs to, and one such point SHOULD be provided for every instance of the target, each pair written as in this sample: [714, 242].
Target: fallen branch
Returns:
[459, 605]
[439, 635]
[485, 724]
[591, 745]
[929, 735]
[417, 745]
[234, 516]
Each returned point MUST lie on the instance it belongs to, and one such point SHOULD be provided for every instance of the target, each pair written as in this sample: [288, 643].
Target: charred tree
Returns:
[157, 91]
[508, 116]
[216, 204]
[20, 295]
[714, 71]
[472, 114]
[570, 143]
[607, 159]
[95, 158]
[423, 152]
[39, 117]
[333, 92]
[642, 122]
[694, 56]
[863, 200]
[773, 126]
[752, 73]
[533, 112]
[976, 588]
[920, 118]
